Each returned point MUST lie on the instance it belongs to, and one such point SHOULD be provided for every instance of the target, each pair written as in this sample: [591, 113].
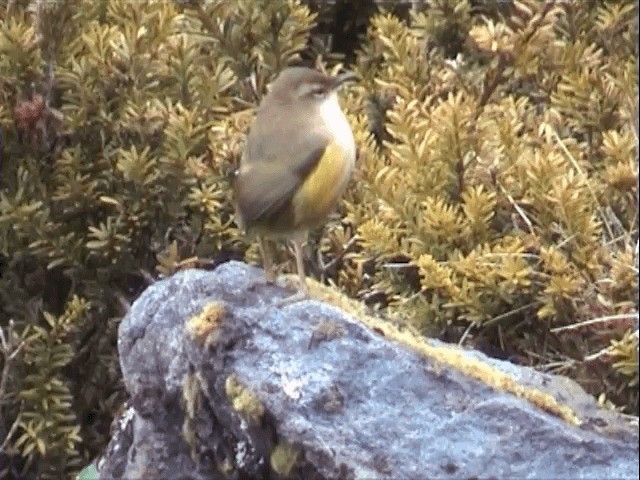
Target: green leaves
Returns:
[137, 167]
[151, 102]
[207, 198]
[256, 35]
[20, 57]
[48, 428]
[495, 191]
[625, 353]
[506, 176]
[107, 241]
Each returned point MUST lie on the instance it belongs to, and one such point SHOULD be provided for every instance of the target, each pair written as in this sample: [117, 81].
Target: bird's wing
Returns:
[265, 185]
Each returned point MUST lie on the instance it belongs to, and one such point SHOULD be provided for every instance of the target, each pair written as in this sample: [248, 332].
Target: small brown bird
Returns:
[298, 160]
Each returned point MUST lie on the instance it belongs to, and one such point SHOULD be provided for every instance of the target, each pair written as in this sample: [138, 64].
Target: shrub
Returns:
[494, 203]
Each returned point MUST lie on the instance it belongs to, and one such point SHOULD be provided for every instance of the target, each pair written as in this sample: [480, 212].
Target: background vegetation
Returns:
[495, 201]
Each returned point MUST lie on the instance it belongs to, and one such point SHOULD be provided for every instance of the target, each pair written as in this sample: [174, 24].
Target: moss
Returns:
[449, 356]
[283, 459]
[243, 401]
[494, 199]
[204, 327]
[191, 397]
[226, 468]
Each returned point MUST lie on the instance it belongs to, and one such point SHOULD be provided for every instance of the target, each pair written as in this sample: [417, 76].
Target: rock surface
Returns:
[252, 389]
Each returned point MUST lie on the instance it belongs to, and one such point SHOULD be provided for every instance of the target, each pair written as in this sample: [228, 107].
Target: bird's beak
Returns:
[344, 77]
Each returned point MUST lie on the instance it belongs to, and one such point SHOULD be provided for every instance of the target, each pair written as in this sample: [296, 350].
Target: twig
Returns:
[566, 240]
[11, 431]
[399, 266]
[565, 364]
[10, 354]
[596, 321]
[10, 4]
[508, 314]
[588, 183]
[597, 355]
[346, 247]
[604, 352]
[521, 212]
[466, 333]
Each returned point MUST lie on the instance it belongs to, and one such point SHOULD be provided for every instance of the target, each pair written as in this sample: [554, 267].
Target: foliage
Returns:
[48, 425]
[494, 202]
[117, 153]
[498, 205]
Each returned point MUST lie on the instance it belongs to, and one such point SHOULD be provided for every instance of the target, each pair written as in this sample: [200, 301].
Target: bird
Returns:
[299, 156]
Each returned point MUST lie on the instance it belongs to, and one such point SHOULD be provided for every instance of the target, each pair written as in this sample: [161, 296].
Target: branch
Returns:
[9, 352]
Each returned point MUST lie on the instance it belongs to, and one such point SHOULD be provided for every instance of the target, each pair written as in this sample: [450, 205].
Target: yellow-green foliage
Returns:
[494, 201]
[115, 120]
[46, 424]
[499, 204]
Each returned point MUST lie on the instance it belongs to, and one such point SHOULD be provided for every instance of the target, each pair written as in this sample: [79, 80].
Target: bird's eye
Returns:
[318, 93]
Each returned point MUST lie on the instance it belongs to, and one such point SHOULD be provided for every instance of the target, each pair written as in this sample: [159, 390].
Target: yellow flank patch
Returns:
[322, 188]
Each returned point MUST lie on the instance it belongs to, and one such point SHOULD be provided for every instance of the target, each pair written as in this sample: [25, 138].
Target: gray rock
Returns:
[307, 391]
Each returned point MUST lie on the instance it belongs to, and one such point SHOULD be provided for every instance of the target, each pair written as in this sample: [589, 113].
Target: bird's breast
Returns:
[325, 184]
[336, 122]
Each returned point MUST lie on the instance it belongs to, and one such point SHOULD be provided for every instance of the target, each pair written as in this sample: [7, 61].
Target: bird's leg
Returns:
[298, 241]
[303, 292]
[267, 260]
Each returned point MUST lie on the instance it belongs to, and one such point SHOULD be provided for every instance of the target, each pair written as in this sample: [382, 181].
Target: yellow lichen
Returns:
[191, 402]
[284, 458]
[450, 356]
[243, 401]
[203, 327]
[225, 467]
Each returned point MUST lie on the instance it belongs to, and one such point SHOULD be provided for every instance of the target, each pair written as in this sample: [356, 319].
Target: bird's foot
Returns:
[270, 277]
[295, 298]
[301, 294]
